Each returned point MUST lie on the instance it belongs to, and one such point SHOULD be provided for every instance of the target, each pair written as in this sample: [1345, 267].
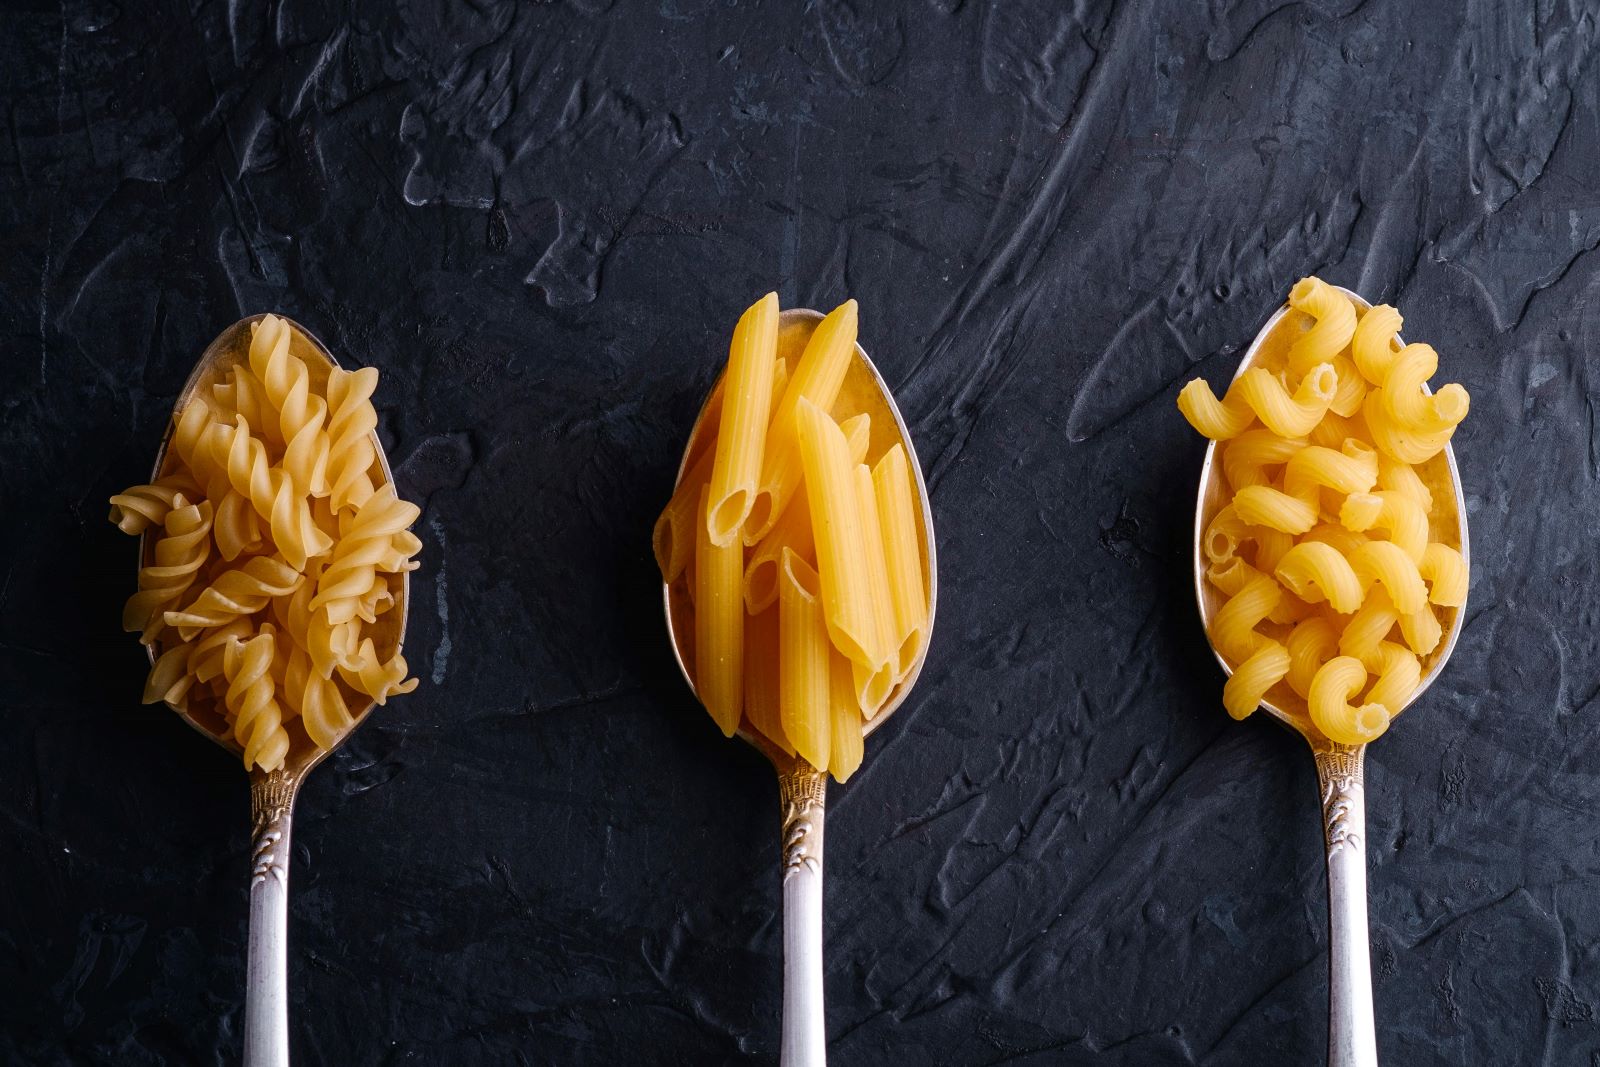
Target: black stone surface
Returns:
[540, 222]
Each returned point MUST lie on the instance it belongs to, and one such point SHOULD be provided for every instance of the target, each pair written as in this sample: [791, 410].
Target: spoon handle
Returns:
[266, 999]
[805, 1037]
[1352, 1032]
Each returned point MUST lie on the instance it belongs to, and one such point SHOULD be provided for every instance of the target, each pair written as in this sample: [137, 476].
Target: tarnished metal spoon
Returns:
[1352, 1032]
[801, 787]
[272, 793]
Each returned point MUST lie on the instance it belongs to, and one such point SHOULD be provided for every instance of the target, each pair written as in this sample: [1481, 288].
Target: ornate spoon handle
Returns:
[266, 999]
[805, 1038]
[1352, 1033]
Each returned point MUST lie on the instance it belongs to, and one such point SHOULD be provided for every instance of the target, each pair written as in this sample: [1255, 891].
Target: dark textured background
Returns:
[540, 221]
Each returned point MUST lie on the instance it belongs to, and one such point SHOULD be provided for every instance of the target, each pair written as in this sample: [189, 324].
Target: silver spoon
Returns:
[272, 793]
[801, 787]
[1352, 1032]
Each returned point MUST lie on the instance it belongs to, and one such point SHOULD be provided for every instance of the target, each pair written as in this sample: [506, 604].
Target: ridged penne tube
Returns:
[1315, 572]
[793, 529]
[742, 431]
[1372, 346]
[672, 539]
[1258, 394]
[1398, 676]
[1398, 514]
[845, 743]
[1408, 406]
[804, 651]
[718, 623]
[1387, 564]
[1262, 505]
[1368, 628]
[1245, 456]
[761, 707]
[836, 530]
[874, 683]
[1311, 643]
[1331, 711]
[1422, 631]
[1407, 446]
[1234, 574]
[1233, 626]
[817, 377]
[897, 513]
[1402, 478]
[1247, 686]
[1335, 324]
[1446, 574]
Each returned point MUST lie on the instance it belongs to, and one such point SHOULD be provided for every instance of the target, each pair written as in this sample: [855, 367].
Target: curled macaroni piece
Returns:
[1407, 446]
[1386, 563]
[1311, 643]
[1368, 628]
[1317, 572]
[351, 420]
[1394, 512]
[1346, 541]
[1247, 687]
[1398, 676]
[1409, 407]
[1233, 628]
[1446, 574]
[1402, 478]
[1258, 394]
[1422, 631]
[1233, 575]
[1246, 456]
[252, 703]
[244, 590]
[1353, 469]
[136, 510]
[1352, 390]
[178, 556]
[1329, 702]
[1333, 431]
[1262, 505]
[1335, 324]
[1372, 347]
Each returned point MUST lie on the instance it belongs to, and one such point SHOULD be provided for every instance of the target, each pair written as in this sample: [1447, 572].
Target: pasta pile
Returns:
[802, 557]
[275, 537]
[1330, 551]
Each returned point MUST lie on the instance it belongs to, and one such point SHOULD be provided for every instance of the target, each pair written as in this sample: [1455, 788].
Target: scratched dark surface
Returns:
[540, 222]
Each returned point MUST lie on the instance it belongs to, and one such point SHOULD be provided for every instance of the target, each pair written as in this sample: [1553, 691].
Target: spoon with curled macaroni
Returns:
[828, 553]
[274, 575]
[1330, 563]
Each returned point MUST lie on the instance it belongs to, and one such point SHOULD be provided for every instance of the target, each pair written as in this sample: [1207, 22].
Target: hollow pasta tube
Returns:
[742, 430]
[718, 624]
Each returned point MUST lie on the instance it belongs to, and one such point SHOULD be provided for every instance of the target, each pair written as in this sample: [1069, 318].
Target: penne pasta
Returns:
[845, 744]
[817, 378]
[874, 683]
[908, 595]
[718, 624]
[804, 692]
[741, 431]
[761, 679]
[836, 530]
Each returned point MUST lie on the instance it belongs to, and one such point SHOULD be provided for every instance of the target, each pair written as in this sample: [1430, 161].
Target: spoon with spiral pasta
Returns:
[274, 588]
[802, 787]
[1348, 496]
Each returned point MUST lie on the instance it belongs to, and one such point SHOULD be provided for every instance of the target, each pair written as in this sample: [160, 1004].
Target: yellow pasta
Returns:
[804, 689]
[817, 378]
[276, 546]
[1329, 702]
[1322, 546]
[845, 744]
[741, 434]
[761, 699]
[874, 683]
[897, 512]
[836, 527]
[1334, 326]
[718, 623]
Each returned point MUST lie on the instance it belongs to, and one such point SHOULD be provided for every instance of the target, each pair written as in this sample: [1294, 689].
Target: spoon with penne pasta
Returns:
[1331, 566]
[274, 576]
[799, 582]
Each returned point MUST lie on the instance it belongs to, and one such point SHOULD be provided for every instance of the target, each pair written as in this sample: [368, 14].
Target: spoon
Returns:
[272, 793]
[1352, 1036]
[802, 788]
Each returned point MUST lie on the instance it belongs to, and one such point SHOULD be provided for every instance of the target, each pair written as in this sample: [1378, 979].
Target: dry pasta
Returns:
[274, 540]
[1325, 547]
[830, 603]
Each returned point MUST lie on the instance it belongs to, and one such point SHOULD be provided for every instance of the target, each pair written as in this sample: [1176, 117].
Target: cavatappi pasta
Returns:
[276, 541]
[1333, 563]
[797, 543]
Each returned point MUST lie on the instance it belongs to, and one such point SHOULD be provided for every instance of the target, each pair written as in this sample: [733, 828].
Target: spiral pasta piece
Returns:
[1233, 628]
[169, 679]
[1386, 563]
[1407, 446]
[1372, 346]
[1399, 673]
[178, 556]
[1409, 407]
[1335, 324]
[377, 678]
[1422, 631]
[1402, 478]
[351, 420]
[1257, 394]
[1329, 702]
[1393, 512]
[351, 571]
[1233, 575]
[1445, 571]
[1368, 628]
[1351, 390]
[1247, 687]
[1315, 572]
[135, 510]
[251, 701]
[1245, 457]
[1313, 642]
[244, 590]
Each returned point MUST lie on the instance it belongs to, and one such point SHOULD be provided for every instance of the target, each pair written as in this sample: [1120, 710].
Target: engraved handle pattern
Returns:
[1352, 1029]
[266, 1003]
[803, 792]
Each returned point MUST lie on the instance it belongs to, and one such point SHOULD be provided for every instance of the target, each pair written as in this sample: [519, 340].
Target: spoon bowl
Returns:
[802, 788]
[1352, 1036]
[272, 793]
